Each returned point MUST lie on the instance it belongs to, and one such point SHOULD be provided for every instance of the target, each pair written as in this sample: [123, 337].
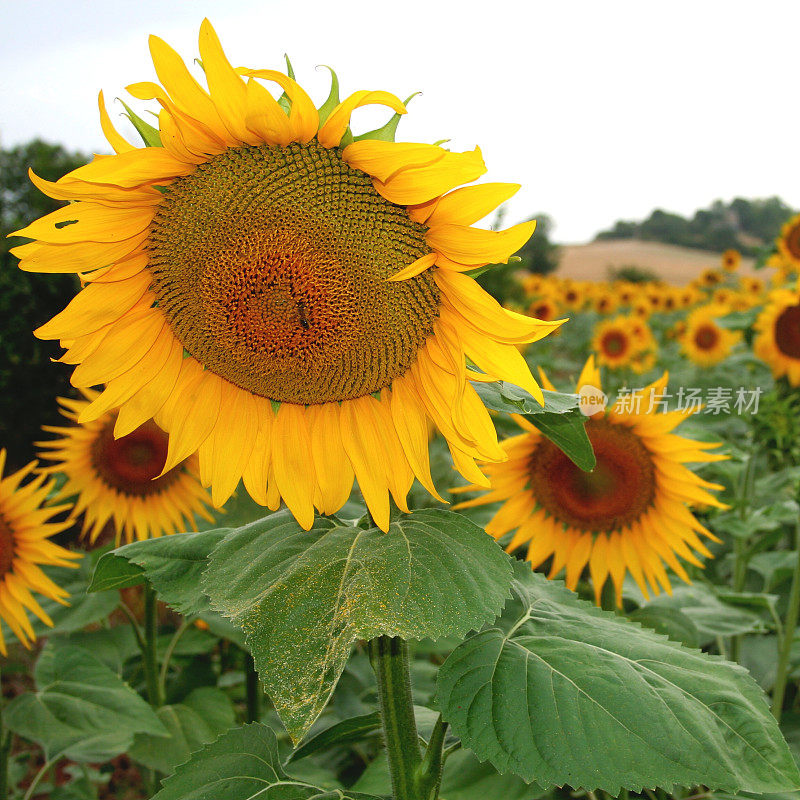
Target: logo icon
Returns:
[591, 400]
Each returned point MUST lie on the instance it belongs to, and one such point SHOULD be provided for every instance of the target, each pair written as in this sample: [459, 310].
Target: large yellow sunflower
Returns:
[777, 340]
[703, 340]
[286, 300]
[117, 479]
[630, 515]
[24, 547]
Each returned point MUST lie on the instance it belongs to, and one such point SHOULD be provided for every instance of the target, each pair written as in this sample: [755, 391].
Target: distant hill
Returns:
[745, 225]
[674, 265]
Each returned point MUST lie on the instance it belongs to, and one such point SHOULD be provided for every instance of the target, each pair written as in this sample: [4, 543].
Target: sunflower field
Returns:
[321, 517]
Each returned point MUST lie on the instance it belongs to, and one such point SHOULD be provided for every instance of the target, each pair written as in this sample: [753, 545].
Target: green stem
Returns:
[38, 777]
[792, 613]
[151, 647]
[429, 773]
[5, 749]
[253, 689]
[173, 643]
[389, 657]
[740, 548]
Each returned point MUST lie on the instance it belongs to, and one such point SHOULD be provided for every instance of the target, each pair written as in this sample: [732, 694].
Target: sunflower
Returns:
[614, 342]
[545, 308]
[703, 340]
[115, 479]
[752, 286]
[631, 514]
[284, 299]
[788, 243]
[731, 259]
[605, 302]
[24, 547]
[777, 340]
[573, 296]
[709, 278]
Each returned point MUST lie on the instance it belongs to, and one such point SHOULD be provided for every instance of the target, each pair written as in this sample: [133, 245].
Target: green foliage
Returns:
[203, 715]
[29, 381]
[744, 225]
[304, 597]
[81, 709]
[242, 764]
[539, 254]
[632, 273]
[611, 705]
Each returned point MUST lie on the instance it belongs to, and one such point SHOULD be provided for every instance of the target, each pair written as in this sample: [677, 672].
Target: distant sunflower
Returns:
[630, 515]
[788, 243]
[752, 286]
[614, 342]
[709, 278]
[573, 296]
[24, 547]
[731, 259]
[777, 340]
[605, 302]
[544, 308]
[704, 341]
[120, 480]
[287, 301]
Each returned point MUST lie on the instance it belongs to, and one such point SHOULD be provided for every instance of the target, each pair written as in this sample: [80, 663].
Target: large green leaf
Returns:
[568, 433]
[172, 564]
[570, 694]
[503, 396]
[303, 597]
[199, 719]
[81, 709]
[243, 764]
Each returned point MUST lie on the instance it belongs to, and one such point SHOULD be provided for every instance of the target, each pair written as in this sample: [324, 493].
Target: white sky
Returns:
[601, 109]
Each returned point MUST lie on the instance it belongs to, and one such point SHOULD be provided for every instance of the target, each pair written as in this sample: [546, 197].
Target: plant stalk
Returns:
[740, 547]
[151, 647]
[792, 613]
[389, 658]
[5, 749]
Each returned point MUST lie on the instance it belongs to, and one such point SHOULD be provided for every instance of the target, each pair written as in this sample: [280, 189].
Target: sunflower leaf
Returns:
[150, 135]
[584, 697]
[172, 564]
[242, 764]
[568, 433]
[304, 597]
[504, 396]
[81, 709]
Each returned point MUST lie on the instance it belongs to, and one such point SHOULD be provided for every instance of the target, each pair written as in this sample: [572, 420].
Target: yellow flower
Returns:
[705, 342]
[605, 302]
[545, 308]
[24, 547]
[287, 302]
[710, 278]
[630, 515]
[573, 295]
[777, 340]
[789, 243]
[731, 259]
[121, 480]
[614, 342]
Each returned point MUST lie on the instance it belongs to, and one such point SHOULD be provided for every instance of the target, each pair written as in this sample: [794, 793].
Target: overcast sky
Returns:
[601, 109]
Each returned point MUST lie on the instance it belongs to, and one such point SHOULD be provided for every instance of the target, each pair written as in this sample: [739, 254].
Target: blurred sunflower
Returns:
[532, 284]
[614, 342]
[573, 296]
[709, 278]
[544, 308]
[630, 515]
[777, 340]
[24, 547]
[731, 259]
[120, 480]
[788, 243]
[752, 286]
[604, 301]
[284, 300]
[703, 340]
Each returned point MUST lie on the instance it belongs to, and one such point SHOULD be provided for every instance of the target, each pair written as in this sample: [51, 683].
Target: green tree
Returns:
[29, 382]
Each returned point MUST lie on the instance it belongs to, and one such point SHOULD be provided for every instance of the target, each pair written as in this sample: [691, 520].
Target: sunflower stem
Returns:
[253, 689]
[162, 677]
[389, 658]
[792, 613]
[151, 647]
[5, 748]
[740, 547]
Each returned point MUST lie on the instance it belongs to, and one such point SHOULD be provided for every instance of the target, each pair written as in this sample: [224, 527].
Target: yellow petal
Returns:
[265, 118]
[116, 141]
[382, 160]
[415, 268]
[293, 463]
[330, 134]
[79, 257]
[333, 469]
[135, 168]
[476, 246]
[469, 204]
